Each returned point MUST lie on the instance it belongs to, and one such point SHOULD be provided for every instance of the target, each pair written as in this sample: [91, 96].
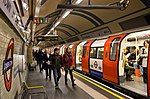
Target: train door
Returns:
[74, 49]
[135, 47]
[61, 50]
[148, 72]
[96, 58]
[111, 58]
[86, 56]
[79, 56]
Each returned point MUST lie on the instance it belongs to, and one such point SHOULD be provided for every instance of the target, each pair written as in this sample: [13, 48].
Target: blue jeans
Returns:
[57, 75]
[135, 64]
[141, 70]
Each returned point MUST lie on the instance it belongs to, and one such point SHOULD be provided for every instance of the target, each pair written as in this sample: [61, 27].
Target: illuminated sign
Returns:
[40, 20]
[8, 64]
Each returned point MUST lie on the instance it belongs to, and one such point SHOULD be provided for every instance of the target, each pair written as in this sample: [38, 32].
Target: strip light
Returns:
[66, 13]
[78, 1]
[57, 23]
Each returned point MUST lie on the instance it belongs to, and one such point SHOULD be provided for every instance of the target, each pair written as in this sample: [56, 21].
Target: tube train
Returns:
[103, 57]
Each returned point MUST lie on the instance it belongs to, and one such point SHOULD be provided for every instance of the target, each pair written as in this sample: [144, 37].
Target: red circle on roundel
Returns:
[8, 80]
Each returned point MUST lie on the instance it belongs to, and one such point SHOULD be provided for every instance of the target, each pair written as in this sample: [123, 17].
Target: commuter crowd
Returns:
[54, 63]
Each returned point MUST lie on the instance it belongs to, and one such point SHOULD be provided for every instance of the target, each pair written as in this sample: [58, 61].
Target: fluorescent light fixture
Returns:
[52, 28]
[57, 23]
[78, 1]
[66, 14]
[48, 32]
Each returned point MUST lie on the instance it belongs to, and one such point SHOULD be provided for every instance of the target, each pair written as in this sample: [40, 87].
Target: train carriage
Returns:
[103, 58]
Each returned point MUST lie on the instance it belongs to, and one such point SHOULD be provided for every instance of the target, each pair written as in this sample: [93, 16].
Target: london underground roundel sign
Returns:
[8, 64]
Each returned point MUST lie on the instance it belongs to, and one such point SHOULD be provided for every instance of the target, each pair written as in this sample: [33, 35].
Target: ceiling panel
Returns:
[78, 22]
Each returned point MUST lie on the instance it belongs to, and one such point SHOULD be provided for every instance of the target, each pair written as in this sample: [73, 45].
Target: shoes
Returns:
[73, 85]
[56, 87]
[130, 79]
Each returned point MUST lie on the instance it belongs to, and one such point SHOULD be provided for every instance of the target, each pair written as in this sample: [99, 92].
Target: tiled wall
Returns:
[6, 33]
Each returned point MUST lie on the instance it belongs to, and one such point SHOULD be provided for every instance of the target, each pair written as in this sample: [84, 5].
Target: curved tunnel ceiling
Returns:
[81, 20]
[86, 17]
[63, 31]
[96, 18]
[84, 14]
[69, 27]
[65, 26]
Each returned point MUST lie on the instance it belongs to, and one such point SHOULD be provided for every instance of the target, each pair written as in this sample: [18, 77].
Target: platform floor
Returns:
[85, 89]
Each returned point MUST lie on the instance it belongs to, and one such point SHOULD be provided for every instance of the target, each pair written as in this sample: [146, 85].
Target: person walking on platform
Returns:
[56, 65]
[67, 61]
[39, 59]
[46, 65]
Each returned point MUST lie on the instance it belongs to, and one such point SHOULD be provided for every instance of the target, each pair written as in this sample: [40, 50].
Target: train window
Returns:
[100, 52]
[75, 50]
[113, 49]
[93, 52]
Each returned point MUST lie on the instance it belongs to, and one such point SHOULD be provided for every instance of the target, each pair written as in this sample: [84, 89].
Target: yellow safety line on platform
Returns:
[114, 94]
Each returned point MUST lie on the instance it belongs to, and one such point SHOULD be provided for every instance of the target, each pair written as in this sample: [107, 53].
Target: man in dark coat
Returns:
[39, 58]
[56, 65]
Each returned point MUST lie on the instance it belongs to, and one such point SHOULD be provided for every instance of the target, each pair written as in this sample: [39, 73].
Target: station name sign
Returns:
[8, 63]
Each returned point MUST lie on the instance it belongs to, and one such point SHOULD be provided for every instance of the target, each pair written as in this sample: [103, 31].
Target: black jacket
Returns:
[45, 59]
[56, 61]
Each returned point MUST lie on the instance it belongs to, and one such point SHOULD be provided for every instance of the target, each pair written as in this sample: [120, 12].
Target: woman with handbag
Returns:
[67, 61]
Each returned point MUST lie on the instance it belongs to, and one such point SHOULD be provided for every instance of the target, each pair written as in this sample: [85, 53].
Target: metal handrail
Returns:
[27, 88]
